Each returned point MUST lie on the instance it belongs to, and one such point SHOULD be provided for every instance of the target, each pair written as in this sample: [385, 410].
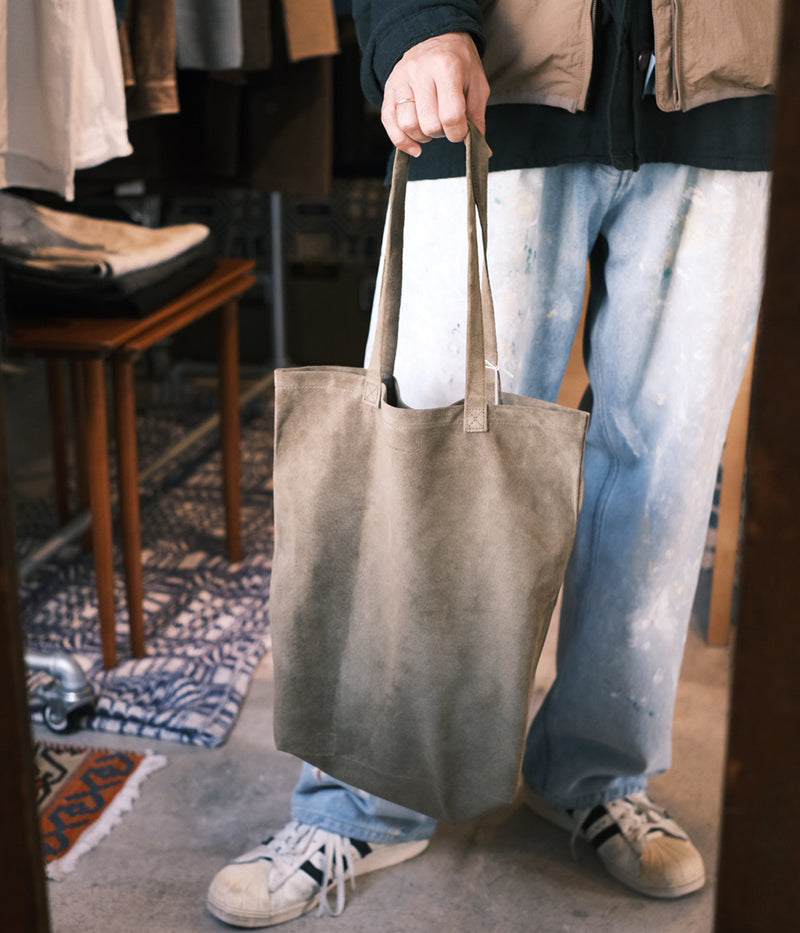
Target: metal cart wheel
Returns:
[56, 719]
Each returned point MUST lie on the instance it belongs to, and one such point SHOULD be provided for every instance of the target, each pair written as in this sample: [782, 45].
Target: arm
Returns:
[426, 55]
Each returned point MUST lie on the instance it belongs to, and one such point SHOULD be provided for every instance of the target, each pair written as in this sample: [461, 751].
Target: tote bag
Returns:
[418, 556]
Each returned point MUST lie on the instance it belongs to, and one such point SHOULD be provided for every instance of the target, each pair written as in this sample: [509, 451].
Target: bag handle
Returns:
[482, 374]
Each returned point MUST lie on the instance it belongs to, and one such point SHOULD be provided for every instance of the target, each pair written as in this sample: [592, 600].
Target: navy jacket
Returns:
[621, 126]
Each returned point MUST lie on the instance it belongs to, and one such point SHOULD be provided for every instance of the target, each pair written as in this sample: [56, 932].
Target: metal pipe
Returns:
[278, 303]
[58, 664]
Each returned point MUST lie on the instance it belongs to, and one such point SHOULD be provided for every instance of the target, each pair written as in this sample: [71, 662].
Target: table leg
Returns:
[128, 482]
[79, 422]
[100, 502]
[229, 425]
[58, 436]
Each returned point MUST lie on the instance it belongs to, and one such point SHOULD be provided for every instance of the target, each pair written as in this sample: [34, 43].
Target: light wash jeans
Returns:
[677, 261]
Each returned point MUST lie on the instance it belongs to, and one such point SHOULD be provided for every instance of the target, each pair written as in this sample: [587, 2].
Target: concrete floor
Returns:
[509, 874]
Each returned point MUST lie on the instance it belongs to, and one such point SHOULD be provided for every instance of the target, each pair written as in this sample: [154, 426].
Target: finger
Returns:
[408, 112]
[429, 113]
[452, 114]
[445, 112]
[402, 128]
[457, 106]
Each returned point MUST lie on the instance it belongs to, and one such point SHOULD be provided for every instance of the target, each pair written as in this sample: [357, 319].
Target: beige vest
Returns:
[540, 51]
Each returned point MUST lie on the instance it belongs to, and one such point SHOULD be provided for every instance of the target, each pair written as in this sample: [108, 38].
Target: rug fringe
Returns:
[58, 869]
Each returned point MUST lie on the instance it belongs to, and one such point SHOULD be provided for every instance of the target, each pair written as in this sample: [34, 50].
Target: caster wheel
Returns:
[56, 720]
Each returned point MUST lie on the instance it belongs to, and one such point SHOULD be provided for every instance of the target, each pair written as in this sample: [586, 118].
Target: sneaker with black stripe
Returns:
[294, 871]
[636, 840]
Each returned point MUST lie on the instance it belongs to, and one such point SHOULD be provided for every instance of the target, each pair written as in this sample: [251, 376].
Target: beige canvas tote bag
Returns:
[418, 557]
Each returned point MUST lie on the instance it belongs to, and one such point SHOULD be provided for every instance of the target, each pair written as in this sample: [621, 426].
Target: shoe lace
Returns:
[337, 865]
[640, 817]
[636, 815]
[288, 840]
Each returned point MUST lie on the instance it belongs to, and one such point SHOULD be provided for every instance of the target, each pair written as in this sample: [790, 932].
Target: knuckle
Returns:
[454, 125]
[407, 122]
[429, 123]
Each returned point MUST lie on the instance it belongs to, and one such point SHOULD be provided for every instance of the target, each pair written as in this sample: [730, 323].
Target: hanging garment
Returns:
[148, 46]
[63, 105]
[209, 34]
[310, 28]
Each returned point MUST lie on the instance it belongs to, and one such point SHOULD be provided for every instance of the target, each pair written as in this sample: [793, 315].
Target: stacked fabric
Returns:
[62, 262]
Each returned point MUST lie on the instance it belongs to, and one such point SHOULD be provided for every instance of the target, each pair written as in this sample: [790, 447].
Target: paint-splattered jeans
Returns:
[677, 257]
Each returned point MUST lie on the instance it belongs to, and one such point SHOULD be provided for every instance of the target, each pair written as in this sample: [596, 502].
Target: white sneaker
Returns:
[293, 871]
[636, 841]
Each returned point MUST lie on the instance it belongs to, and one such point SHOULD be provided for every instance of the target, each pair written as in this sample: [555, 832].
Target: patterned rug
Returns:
[206, 620]
[81, 794]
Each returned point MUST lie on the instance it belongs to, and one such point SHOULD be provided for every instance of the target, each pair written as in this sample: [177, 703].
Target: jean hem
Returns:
[355, 830]
[587, 801]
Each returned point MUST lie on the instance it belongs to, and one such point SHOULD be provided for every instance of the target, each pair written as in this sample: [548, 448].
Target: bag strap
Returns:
[482, 374]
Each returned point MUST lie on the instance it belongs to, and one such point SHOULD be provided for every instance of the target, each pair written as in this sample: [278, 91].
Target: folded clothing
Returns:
[58, 262]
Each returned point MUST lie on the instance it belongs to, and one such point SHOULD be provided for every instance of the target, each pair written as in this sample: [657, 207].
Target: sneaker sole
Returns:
[255, 921]
[382, 858]
[659, 893]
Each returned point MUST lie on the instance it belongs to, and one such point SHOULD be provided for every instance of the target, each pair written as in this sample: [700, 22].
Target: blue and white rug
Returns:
[206, 620]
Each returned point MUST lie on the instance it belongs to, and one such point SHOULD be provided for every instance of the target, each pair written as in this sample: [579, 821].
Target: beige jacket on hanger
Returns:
[310, 28]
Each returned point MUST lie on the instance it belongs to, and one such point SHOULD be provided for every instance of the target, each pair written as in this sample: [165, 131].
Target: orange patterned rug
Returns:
[82, 793]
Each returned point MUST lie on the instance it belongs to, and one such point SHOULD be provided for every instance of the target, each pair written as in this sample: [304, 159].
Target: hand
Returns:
[433, 90]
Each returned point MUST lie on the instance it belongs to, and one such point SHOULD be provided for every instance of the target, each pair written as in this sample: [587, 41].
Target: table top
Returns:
[93, 336]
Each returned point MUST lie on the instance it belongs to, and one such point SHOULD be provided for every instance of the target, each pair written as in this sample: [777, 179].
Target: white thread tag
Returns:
[497, 370]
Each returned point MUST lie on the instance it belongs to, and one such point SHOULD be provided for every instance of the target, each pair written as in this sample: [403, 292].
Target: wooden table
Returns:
[88, 344]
